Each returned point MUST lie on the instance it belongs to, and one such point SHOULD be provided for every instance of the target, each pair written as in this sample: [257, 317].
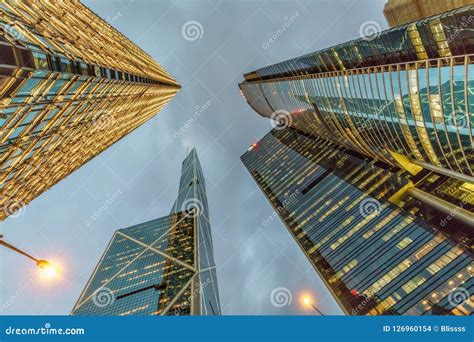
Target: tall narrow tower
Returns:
[161, 267]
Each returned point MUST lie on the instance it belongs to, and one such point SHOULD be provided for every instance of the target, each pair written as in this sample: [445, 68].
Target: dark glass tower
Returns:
[161, 267]
[376, 135]
[377, 251]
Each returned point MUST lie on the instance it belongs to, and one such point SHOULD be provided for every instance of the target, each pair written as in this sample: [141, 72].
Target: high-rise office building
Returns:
[161, 267]
[70, 86]
[399, 12]
[388, 125]
[375, 257]
[404, 93]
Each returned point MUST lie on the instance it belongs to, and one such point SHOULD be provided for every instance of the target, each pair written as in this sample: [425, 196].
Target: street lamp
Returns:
[308, 301]
[48, 269]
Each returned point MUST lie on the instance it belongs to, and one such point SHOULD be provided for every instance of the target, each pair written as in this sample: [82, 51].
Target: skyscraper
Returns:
[398, 96]
[399, 12]
[376, 137]
[70, 86]
[161, 267]
[375, 257]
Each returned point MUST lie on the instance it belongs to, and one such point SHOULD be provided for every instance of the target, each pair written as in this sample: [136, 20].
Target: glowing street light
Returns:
[48, 269]
[308, 301]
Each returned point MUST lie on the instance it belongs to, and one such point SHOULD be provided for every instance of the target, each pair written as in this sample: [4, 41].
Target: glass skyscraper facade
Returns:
[371, 164]
[70, 86]
[375, 256]
[406, 91]
[161, 267]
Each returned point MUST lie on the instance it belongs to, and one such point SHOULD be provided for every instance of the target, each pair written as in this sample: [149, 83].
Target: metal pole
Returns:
[13, 248]
[449, 209]
[315, 308]
[446, 172]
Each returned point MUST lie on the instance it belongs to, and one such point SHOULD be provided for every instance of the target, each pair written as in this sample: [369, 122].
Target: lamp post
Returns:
[307, 301]
[46, 266]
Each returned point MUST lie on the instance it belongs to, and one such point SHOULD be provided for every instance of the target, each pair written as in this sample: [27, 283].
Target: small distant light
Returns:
[252, 146]
[297, 111]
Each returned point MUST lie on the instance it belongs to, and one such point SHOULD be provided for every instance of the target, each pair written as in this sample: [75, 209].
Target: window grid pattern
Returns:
[365, 259]
[65, 98]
